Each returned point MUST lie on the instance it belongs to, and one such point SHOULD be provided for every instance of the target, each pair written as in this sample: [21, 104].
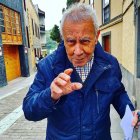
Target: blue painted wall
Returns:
[2, 68]
[16, 5]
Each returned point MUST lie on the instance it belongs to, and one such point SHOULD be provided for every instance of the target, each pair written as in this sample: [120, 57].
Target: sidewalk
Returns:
[15, 85]
[116, 130]
[13, 125]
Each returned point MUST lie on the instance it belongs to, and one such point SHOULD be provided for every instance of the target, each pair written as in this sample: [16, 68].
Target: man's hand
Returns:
[62, 85]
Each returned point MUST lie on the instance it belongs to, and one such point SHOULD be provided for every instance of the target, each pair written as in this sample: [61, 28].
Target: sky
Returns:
[53, 11]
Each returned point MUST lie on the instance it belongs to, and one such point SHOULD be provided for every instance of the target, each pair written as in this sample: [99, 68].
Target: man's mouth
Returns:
[79, 59]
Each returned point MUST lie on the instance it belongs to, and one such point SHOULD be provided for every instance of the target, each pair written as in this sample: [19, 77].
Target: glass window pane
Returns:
[0, 8]
[106, 14]
[2, 29]
[1, 15]
[106, 2]
[91, 1]
[1, 22]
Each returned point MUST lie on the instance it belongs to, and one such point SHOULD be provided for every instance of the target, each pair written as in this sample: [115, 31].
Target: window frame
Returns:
[12, 22]
[105, 7]
[2, 20]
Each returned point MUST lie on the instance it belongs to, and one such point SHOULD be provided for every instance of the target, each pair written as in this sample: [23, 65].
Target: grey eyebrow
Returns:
[70, 39]
[85, 38]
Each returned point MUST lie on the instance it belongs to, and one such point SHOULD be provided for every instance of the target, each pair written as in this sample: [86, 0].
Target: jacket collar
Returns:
[61, 61]
[100, 64]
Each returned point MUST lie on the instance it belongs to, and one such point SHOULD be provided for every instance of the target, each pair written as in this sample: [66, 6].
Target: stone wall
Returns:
[2, 68]
[132, 86]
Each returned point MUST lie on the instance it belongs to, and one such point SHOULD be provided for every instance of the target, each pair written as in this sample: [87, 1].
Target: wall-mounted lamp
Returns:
[26, 50]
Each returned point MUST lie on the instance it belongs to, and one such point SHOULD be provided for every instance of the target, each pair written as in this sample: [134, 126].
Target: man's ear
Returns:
[97, 36]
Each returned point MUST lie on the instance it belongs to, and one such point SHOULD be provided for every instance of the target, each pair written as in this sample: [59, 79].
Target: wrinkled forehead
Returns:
[77, 19]
[80, 27]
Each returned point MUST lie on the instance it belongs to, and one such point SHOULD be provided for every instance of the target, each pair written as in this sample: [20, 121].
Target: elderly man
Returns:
[75, 86]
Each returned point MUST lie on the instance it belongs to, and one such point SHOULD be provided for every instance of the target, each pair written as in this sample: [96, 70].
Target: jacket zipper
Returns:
[97, 94]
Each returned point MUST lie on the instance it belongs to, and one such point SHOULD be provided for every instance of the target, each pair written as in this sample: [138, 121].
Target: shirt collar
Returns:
[85, 70]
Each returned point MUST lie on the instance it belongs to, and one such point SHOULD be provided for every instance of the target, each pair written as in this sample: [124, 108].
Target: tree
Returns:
[55, 34]
[70, 2]
[50, 44]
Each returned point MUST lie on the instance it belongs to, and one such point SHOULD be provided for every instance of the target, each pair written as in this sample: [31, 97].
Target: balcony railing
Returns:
[42, 28]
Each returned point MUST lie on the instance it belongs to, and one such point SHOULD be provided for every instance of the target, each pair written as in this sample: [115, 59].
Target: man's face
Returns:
[79, 40]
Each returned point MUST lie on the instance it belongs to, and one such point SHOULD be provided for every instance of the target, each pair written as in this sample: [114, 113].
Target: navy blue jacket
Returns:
[82, 114]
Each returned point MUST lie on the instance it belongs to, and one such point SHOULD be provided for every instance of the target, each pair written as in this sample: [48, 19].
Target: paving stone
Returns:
[10, 103]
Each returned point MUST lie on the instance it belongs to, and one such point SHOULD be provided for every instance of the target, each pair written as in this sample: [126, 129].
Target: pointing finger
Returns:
[68, 71]
[60, 81]
[64, 76]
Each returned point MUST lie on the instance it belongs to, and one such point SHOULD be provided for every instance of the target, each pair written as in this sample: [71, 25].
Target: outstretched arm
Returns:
[41, 99]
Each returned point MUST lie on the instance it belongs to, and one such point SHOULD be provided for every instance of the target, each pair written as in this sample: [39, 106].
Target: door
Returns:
[12, 62]
[106, 43]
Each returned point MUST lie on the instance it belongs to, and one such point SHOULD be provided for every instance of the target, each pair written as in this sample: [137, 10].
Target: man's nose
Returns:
[78, 49]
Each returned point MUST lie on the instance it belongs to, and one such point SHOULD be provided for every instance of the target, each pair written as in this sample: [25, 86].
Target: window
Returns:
[2, 27]
[91, 1]
[36, 30]
[10, 21]
[33, 26]
[106, 11]
[38, 33]
[106, 2]
[25, 5]
[28, 37]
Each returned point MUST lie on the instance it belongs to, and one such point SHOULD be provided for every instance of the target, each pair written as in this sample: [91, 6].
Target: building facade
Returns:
[41, 15]
[13, 49]
[119, 23]
[32, 33]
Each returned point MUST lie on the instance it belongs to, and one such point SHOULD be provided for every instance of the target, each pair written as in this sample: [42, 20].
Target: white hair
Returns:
[79, 12]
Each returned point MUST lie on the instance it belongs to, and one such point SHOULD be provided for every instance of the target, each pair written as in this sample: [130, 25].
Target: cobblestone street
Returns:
[25, 130]
[21, 129]
[13, 125]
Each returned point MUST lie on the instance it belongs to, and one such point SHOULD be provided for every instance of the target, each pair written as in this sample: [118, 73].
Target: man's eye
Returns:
[71, 42]
[85, 41]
